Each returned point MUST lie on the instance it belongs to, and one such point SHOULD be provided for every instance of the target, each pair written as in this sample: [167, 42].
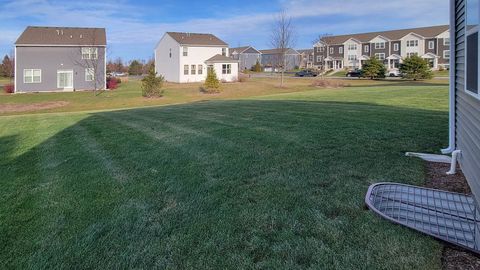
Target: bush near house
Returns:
[415, 68]
[257, 67]
[152, 85]
[212, 84]
[112, 83]
[373, 69]
[9, 88]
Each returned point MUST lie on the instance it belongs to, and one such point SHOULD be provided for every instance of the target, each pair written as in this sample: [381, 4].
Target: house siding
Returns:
[441, 49]
[369, 53]
[52, 59]
[467, 109]
[399, 52]
[248, 60]
[317, 53]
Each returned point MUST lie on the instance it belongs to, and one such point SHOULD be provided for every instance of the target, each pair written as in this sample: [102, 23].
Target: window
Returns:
[446, 42]
[471, 80]
[332, 50]
[89, 74]
[412, 43]
[340, 50]
[185, 51]
[32, 75]
[320, 49]
[410, 54]
[380, 45]
[200, 69]
[185, 70]
[352, 57]
[193, 70]
[446, 54]
[352, 47]
[170, 53]
[224, 51]
[396, 47]
[89, 53]
[366, 49]
[380, 56]
[431, 45]
[319, 58]
[227, 69]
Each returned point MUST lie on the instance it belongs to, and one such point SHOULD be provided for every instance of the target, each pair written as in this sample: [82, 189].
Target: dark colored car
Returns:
[354, 74]
[306, 73]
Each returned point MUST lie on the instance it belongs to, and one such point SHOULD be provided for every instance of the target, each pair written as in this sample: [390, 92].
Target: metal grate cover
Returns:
[448, 216]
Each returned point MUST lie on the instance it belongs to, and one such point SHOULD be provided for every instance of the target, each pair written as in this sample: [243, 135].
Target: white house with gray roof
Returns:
[50, 59]
[185, 58]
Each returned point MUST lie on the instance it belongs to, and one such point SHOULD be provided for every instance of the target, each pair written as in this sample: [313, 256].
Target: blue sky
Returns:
[134, 27]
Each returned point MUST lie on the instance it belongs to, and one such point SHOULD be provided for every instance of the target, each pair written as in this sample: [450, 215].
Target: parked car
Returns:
[394, 73]
[306, 73]
[354, 74]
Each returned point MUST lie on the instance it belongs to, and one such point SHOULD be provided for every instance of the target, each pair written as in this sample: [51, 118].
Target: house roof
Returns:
[57, 36]
[197, 39]
[221, 59]
[239, 49]
[427, 32]
[276, 51]
[306, 51]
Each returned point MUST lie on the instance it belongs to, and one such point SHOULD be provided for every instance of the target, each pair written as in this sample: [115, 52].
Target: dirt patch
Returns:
[452, 257]
[9, 108]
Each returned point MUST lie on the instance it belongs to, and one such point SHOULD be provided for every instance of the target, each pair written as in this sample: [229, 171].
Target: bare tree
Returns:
[92, 58]
[282, 39]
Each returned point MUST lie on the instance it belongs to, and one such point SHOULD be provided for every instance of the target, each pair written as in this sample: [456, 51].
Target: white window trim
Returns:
[444, 57]
[378, 54]
[185, 51]
[366, 49]
[332, 50]
[467, 33]
[33, 76]
[445, 43]
[431, 45]
[200, 69]
[319, 58]
[91, 53]
[380, 45]
[396, 47]
[340, 50]
[193, 69]
[187, 70]
[87, 72]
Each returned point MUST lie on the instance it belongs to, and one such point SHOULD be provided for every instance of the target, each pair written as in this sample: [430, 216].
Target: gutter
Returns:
[452, 108]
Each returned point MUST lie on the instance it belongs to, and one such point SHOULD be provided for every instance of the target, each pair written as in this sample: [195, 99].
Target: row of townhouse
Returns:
[350, 51]
[271, 59]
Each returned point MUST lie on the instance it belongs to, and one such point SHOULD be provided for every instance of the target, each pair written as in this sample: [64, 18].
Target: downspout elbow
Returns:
[453, 166]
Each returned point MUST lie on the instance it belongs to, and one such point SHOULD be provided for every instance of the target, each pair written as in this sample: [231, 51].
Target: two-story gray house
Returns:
[247, 56]
[60, 59]
[272, 59]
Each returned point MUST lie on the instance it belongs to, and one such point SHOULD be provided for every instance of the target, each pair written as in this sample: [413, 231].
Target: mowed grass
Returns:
[272, 182]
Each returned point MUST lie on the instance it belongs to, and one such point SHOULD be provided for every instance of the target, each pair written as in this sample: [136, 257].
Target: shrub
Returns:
[243, 78]
[441, 68]
[373, 68]
[257, 67]
[323, 83]
[9, 88]
[415, 68]
[119, 80]
[112, 83]
[212, 84]
[152, 85]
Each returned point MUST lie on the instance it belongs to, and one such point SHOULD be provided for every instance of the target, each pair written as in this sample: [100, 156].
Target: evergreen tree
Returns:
[257, 67]
[7, 67]
[135, 68]
[212, 84]
[415, 68]
[152, 84]
[373, 68]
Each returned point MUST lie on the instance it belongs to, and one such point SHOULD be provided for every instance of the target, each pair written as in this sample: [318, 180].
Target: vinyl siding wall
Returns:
[467, 109]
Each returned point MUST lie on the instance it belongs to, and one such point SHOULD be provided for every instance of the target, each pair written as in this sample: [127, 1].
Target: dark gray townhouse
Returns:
[247, 56]
[60, 59]
[272, 60]
[350, 51]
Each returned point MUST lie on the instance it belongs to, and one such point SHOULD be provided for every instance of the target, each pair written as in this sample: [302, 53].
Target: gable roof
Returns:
[305, 51]
[277, 51]
[197, 39]
[58, 36]
[427, 32]
[239, 49]
[221, 59]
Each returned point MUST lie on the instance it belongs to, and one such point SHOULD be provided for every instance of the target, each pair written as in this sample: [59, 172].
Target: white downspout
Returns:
[453, 166]
[452, 114]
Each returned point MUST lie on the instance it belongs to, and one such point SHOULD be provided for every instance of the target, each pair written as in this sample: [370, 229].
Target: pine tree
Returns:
[257, 67]
[373, 68]
[212, 84]
[415, 68]
[152, 84]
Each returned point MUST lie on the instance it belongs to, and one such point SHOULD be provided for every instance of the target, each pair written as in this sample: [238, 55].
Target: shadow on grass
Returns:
[242, 183]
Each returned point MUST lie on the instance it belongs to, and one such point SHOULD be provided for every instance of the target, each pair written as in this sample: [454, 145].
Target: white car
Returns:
[393, 73]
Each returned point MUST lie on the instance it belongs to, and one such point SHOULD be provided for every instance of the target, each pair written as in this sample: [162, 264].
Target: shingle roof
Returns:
[239, 49]
[221, 59]
[196, 39]
[274, 51]
[35, 35]
[307, 51]
[427, 32]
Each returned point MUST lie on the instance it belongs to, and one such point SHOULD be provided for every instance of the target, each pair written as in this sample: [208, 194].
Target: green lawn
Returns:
[341, 73]
[443, 73]
[4, 81]
[271, 182]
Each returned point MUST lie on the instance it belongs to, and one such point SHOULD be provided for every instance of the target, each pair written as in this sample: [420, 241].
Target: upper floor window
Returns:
[224, 51]
[89, 53]
[446, 41]
[412, 43]
[340, 50]
[32, 75]
[332, 50]
[226, 69]
[431, 45]
[472, 29]
[396, 47]
[446, 54]
[89, 74]
[319, 58]
[352, 57]
[352, 47]
[320, 49]
[366, 49]
[380, 45]
[380, 56]
[185, 51]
